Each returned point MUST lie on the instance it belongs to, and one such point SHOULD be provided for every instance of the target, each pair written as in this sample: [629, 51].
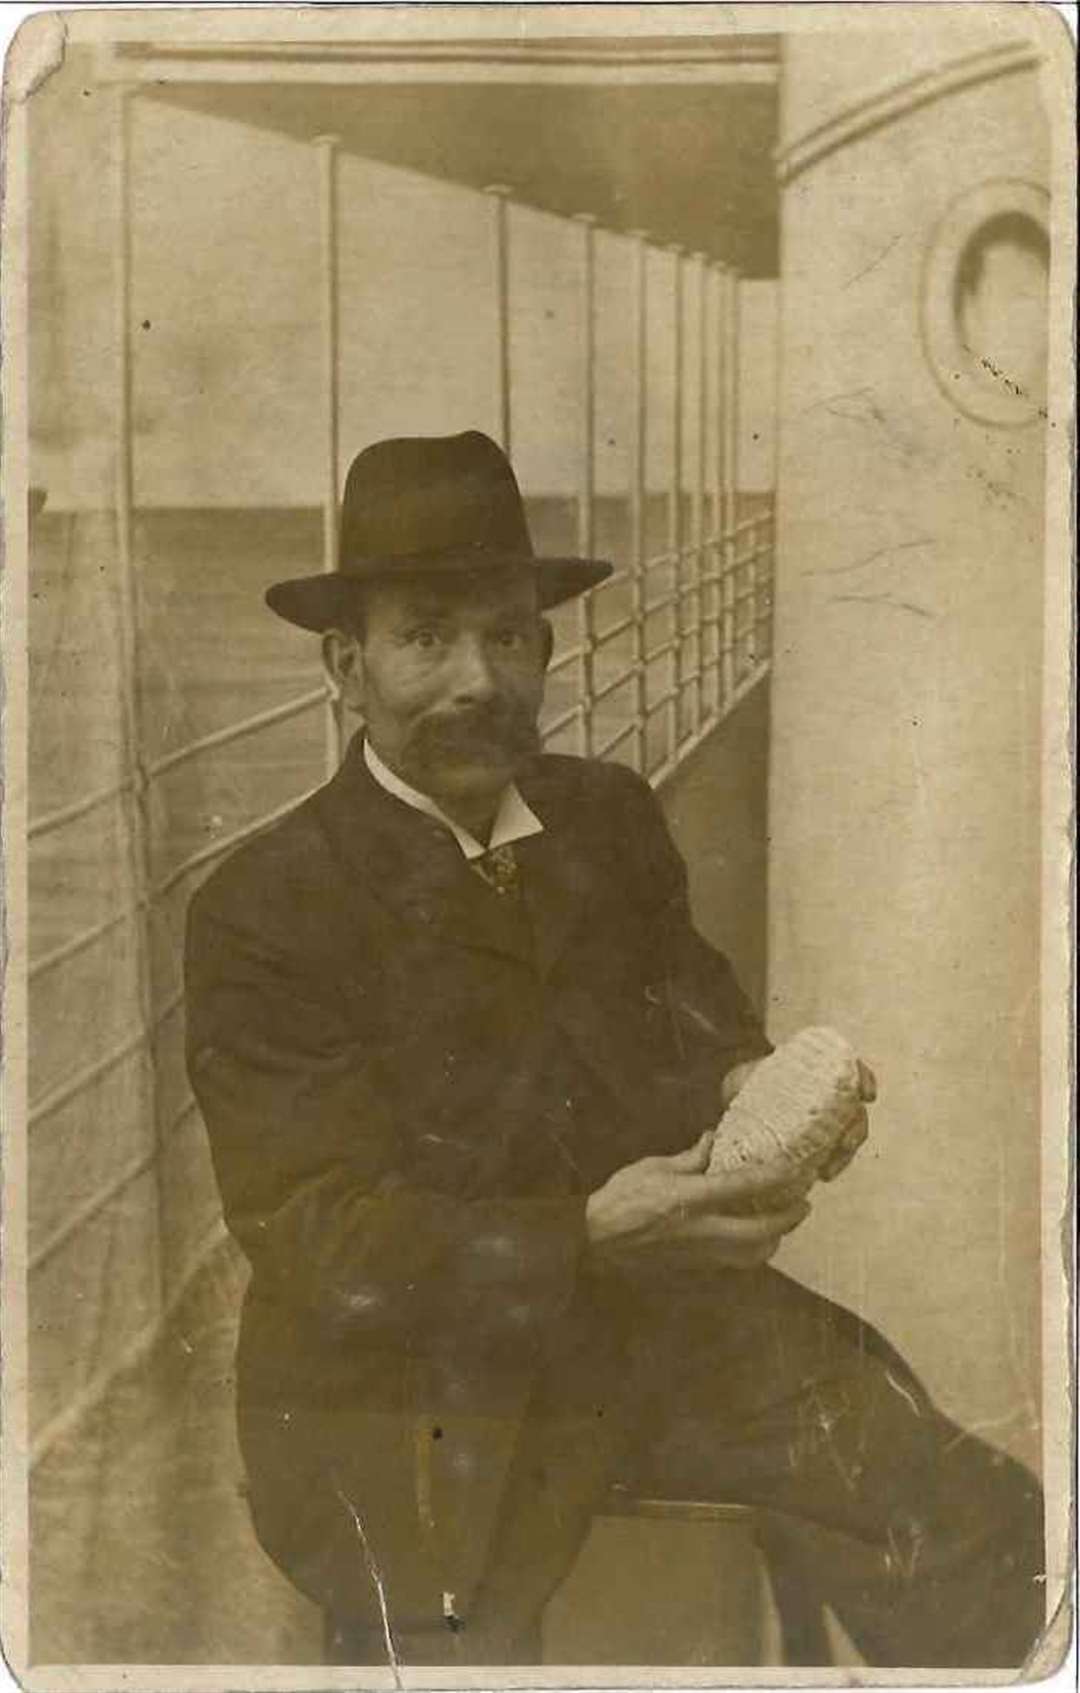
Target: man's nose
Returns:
[473, 677]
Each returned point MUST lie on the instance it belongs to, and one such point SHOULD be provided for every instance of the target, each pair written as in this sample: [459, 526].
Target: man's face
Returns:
[449, 677]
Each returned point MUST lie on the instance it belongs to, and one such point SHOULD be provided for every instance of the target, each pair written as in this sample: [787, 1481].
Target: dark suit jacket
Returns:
[411, 1084]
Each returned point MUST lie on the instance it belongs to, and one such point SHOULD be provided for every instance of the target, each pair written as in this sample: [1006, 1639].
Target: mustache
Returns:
[499, 731]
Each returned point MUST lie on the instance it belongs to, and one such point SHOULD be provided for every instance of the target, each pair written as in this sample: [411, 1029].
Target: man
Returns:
[461, 1055]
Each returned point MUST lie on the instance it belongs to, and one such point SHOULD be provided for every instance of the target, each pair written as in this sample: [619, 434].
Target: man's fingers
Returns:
[748, 1232]
[867, 1083]
[857, 1130]
[853, 1137]
[694, 1161]
[704, 1193]
[837, 1164]
[685, 1254]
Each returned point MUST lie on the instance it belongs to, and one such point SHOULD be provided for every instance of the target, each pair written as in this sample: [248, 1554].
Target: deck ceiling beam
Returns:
[719, 62]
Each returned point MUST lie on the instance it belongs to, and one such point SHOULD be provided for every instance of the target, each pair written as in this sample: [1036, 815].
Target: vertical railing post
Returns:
[639, 450]
[733, 467]
[587, 483]
[699, 555]
[768, 585]
[499, 196]
[139, 832]
[729, 474]
[675, 511]
[716, 460]
[128, 582]
[326, 149]
[124, 447]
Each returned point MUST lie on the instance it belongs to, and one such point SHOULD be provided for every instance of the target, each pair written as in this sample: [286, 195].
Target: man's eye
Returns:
[426, 638]
[512, 638]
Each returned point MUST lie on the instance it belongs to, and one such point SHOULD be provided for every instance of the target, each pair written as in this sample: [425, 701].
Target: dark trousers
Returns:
[747, 1388]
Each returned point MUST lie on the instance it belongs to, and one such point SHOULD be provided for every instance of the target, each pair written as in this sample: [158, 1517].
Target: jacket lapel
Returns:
[558, 876]
[411, 862]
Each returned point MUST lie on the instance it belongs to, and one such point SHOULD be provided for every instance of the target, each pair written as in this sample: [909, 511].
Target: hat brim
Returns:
[321, 602]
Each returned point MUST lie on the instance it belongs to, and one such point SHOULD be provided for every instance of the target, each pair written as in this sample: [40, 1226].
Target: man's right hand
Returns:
[673, 1202]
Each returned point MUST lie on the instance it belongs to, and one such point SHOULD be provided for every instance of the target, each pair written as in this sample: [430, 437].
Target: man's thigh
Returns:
[748, 1387]
[736, 1342]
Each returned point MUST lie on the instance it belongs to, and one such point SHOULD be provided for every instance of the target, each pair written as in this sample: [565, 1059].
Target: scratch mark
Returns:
[898, 1387]
[917, 763]
[859, 274]
[698, 1018]
[988, 1426]
[377, 1582]
[864, 409]
[859, 405]
[829, 402]
[821, 1418]
[882, 599]
[422, 1439]
[872, 558]
[895, 1558]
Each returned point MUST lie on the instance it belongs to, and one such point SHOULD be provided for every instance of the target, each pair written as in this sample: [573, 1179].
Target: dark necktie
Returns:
[499, 868]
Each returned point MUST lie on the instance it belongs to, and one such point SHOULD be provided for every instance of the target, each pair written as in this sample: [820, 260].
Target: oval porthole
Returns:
[986, 301]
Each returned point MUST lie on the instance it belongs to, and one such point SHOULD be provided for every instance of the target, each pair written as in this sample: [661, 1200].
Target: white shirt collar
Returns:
[514, 820]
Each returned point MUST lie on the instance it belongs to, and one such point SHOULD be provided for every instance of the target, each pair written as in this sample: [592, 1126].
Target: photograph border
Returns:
[31, 55]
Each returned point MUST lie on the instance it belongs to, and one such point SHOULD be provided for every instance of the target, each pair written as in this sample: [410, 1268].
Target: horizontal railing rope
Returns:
[80, 941]
[154, 768]
[714, 612]
[699, 640]
[728, 592]
[103, 1196]
[93, 1392]
[52, 820]
[214, 849]
[235, 731]
[88, 1074]
[759, 590]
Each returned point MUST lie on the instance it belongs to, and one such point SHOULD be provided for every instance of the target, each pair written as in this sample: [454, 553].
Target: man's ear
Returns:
[547, 641]
[343, 662]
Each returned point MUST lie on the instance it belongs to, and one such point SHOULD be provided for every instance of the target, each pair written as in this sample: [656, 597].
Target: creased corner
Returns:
[1049, 1651]
[36, 51]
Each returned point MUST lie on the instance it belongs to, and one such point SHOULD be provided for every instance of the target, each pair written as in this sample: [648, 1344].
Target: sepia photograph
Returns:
[537, 658]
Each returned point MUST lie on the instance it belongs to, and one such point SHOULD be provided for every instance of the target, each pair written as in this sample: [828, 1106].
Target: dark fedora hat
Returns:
[433, 505]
